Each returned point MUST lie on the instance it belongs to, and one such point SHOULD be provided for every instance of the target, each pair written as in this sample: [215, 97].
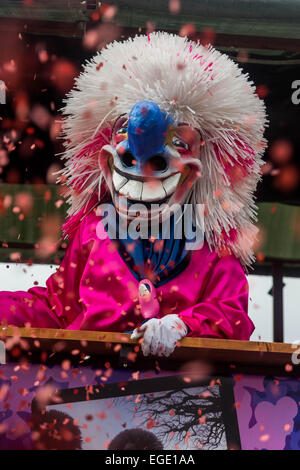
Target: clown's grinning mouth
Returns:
[151, 190]
[148, 205]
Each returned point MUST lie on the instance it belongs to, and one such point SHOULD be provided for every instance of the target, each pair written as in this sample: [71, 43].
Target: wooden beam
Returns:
[233, 353]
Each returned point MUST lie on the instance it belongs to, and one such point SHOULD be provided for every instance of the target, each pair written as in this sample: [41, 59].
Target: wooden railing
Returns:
[225, 356]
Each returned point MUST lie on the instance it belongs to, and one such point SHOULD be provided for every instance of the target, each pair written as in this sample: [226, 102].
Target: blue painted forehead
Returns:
[147, 129]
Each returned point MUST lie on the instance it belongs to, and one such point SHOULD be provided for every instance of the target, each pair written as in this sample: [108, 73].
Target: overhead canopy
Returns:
[257, 18]
[272, 18]
[44, 10]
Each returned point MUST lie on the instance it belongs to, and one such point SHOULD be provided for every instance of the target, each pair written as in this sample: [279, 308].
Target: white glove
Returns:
[160, 335]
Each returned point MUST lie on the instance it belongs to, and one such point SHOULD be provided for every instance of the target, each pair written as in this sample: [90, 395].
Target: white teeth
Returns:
[171, 183]
[153, 191]
[148, 191]
[132, 190]
[118, 180]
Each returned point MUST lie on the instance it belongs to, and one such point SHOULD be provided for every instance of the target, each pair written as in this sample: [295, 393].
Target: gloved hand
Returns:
[160, 335]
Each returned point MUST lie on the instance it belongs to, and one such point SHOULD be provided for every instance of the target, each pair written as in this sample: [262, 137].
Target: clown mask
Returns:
[151, 162]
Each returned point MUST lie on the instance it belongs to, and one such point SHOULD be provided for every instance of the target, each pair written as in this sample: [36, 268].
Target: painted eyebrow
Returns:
[185, 124]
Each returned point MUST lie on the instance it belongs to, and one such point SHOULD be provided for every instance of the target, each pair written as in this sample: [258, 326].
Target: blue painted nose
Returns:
[147, 130]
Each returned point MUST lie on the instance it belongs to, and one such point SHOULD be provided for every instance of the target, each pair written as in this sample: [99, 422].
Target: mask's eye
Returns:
[120, 135]
[123, 130]
[119, 132]
[180, 145]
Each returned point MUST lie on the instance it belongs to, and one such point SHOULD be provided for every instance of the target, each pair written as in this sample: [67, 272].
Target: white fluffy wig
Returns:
[196, 85]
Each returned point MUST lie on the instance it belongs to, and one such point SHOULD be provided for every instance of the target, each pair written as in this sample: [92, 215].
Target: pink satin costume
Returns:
[93, 289]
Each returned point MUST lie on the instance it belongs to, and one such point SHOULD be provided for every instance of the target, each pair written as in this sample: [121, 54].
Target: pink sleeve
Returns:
[62, 291]
[222, 312]
[54, 306]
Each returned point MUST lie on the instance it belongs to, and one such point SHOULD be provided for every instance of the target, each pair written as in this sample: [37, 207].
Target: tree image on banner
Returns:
[190, 418]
